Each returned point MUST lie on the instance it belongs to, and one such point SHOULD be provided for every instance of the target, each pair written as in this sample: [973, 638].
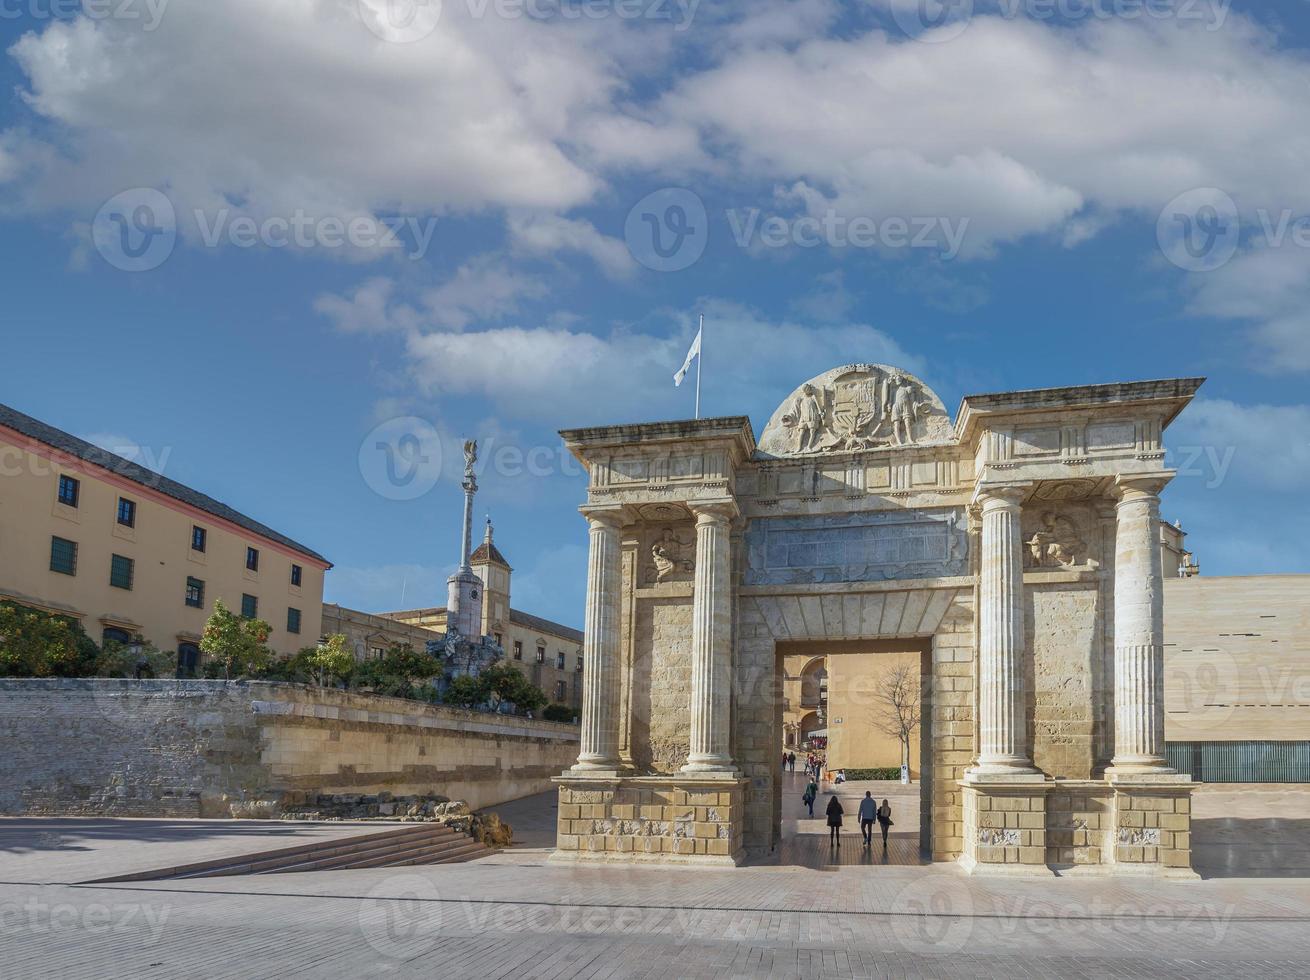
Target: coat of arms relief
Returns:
[862, 406]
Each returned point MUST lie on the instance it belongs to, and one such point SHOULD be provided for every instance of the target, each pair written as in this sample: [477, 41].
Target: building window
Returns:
[518, 649]
[195, 593]
[120, 572]
[561, 691]
[126, 512]
[578, 667]
[377, 653]
[198, 539]
[296, 573]
[249, 606]
[252, 559]
[113, 634]
[293, 620]
[500, 640]
[541, 655]
[188, 660]
[63, 556]
[559, 660]
[69, 490]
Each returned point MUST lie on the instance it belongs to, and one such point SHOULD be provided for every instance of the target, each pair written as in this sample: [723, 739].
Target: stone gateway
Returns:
[1017, 548]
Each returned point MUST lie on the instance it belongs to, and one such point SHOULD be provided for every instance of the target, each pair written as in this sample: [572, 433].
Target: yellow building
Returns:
[128, 552]
[549, 654]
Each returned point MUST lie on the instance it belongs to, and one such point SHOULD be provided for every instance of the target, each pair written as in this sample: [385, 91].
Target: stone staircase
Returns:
[424, 843]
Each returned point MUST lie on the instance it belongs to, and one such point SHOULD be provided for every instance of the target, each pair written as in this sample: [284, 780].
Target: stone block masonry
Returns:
[166, 748]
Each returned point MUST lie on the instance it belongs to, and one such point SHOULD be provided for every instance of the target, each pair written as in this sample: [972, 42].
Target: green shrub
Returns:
[559, 712]
[35, 643]
[882, 772]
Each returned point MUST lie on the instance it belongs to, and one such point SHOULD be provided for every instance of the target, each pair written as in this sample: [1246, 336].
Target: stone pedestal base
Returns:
[1152, 824]
[679, 819]
[1004, 826]
[1122, 826]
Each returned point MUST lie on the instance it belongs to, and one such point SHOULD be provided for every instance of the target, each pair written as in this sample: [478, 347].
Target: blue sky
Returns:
[1113, 191]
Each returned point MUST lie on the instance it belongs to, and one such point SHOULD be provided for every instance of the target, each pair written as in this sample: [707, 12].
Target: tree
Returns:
[897, 706]
[35, 643]
[396, 672]
[123, 660]
[332, 659]
[236, 644]
[505, 684]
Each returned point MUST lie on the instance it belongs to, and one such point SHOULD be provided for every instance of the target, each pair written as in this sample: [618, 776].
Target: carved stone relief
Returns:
[857, 407]
[1055, 540]
[671, 556]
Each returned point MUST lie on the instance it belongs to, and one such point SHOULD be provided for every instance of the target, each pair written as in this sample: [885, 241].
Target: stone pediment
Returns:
[855, 408]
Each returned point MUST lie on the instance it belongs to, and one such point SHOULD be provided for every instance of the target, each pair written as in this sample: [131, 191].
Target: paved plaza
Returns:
[515, 915]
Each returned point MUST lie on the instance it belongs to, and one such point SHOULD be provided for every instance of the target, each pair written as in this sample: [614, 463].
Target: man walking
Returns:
[868, 814]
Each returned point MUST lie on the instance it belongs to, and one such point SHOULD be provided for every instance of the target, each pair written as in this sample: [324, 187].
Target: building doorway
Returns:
[848, 701]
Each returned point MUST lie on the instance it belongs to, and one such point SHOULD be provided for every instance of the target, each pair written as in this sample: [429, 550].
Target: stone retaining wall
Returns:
[165, 748]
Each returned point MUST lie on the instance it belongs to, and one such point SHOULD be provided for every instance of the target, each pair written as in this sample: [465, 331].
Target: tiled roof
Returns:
[544, 625]
[488, 552]
[83, 450]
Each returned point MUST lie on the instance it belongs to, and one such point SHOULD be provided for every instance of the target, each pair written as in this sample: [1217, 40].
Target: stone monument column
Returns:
[1002, 706]
[711, 641]
[601, 645]
[1138, 628]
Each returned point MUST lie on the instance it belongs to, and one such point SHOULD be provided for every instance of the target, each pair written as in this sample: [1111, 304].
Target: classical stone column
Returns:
[1138, 628]
[711, 640]
[599, 736]
[1002, 723]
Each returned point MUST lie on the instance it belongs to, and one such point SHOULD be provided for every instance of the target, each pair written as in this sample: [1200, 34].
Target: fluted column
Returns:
[599, 735]
[711, 641]
[1138, 628]
[1002, 706]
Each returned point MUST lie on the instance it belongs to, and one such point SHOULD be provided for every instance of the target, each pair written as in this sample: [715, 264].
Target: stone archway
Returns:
[940, 611]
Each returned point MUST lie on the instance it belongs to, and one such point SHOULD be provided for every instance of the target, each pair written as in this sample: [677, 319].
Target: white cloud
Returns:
[1265, 446]
[549, 234]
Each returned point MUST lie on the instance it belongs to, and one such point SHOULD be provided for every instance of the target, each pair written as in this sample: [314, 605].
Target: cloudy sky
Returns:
[293, 251]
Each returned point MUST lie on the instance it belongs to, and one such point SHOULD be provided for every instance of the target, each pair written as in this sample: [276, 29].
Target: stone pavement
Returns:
[514, 915]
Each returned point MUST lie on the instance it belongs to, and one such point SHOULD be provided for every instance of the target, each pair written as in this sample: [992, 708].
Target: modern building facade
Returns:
[130, 553]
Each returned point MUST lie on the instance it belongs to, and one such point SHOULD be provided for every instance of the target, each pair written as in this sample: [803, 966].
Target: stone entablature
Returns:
[1018, 546]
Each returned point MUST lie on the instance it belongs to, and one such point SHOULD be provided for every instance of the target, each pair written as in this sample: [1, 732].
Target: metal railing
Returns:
[1242, 762]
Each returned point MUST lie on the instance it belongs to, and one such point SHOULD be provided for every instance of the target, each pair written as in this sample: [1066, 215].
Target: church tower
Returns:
[490, 566]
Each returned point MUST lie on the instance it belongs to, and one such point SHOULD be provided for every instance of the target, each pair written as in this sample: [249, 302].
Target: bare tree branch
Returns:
[897, 704]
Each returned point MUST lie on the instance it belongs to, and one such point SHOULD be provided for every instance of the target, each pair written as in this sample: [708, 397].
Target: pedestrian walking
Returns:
[885, 820]
[835, 812]
[868, 814]
[811, 793]
[791, 761]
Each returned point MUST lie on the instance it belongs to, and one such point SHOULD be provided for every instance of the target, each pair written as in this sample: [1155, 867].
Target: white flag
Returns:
[692, 353]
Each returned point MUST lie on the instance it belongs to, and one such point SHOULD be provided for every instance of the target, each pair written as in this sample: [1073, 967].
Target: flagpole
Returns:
[700, 357]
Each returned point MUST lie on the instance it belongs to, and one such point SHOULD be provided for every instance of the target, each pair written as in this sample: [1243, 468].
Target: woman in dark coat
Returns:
[834, 821]
[885, 820]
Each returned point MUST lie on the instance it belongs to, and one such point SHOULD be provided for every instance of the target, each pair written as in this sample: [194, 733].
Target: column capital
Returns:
[992, 495]
[721, 511]
[1137, 486]
[607, 515]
